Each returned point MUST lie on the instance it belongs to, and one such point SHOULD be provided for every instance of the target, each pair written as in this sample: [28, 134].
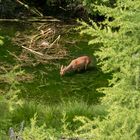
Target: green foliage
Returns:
[1, 40]
[63, 129]
[5, 122]
[80, 108]
[83, 131]
[9, 101]
[52, 115]
[90, 5]
[37, 133]
[120, 55]
[33, 131]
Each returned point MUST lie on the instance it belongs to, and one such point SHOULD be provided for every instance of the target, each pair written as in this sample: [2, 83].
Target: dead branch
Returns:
[35, 11]
[31, 20]
[56, 40]
[34, 52]
[43, 41]
[12, 54]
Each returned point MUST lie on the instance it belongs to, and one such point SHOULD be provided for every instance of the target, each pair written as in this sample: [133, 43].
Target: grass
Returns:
[47, 86]
[52, 96]
[52, 115]
[5, 121]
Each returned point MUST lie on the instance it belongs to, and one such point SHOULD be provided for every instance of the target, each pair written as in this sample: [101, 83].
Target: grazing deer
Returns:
[76, 64]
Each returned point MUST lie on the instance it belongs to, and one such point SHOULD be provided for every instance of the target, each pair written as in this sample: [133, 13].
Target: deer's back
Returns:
[80, 61]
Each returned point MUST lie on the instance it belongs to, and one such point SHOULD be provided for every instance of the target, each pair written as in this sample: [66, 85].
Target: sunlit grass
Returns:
[52, 115]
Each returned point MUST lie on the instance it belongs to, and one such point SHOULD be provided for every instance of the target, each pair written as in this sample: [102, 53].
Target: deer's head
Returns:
[62, 70]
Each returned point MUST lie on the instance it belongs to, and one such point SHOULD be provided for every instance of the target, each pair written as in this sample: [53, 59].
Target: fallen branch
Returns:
[43, 43]
[31, 20]
[55, 41]
[48, 57]
[35, 11]
[12, 54]
[34, 52]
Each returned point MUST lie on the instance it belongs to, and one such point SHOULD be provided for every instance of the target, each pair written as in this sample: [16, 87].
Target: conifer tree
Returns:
[118, 42]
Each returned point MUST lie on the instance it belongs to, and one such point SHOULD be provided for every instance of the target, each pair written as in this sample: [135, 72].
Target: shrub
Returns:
[9, 101]
[119, 53]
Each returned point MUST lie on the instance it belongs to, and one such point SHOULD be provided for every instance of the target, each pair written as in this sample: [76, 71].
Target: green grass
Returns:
[52, 115]
[5, 121]
[50, 95]
[47, 86]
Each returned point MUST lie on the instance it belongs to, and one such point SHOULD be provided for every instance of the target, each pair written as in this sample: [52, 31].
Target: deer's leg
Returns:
[85, 66]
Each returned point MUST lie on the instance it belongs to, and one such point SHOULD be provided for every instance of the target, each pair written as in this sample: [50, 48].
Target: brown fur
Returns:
[76, 64]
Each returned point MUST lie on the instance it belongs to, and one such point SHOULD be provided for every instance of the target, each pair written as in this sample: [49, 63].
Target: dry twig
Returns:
[43, 42]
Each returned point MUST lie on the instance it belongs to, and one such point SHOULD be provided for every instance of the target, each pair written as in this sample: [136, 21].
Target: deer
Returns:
[80, 63]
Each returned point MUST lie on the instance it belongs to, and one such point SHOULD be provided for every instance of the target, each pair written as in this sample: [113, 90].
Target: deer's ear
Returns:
[62, 67]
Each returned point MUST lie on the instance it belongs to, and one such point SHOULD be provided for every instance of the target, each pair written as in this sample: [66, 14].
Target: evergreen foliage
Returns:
[37, 133]
[1, 40]
[120, 55]
[9, 101]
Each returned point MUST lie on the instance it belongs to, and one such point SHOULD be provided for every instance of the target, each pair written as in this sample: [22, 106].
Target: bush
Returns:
[120, 55]
[9, 101]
